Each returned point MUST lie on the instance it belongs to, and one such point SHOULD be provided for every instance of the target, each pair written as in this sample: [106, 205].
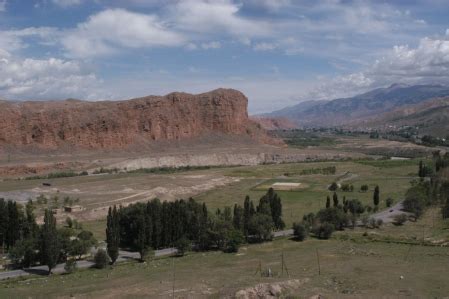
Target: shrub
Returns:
[364, 188]
[323, 230]
[389, 202]
[299, 231]
[333, 187]
[400, 219]
[101, 259]
[70, 266]
[334, 216]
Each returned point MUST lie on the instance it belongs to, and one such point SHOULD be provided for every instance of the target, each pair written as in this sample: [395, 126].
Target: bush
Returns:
[400, 219]
[379, 222]
[323, 230]
[182, 245]
[333, 187]
[415, 200]
[334, 216]
[70, 266]
[101, 259]
[364, 188]
[233, 241]
[389, 202]
[299, 231]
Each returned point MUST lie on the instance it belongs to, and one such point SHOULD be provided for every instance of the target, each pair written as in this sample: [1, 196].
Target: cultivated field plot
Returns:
[97, 192]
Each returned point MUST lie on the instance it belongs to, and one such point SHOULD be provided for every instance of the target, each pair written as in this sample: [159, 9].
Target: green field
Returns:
[392, 179]
[393, 261]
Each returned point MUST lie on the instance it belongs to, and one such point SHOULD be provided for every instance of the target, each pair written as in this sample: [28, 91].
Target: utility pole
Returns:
[318, 260]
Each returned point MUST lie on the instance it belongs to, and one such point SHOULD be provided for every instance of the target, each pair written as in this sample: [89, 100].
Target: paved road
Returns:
[43, 270]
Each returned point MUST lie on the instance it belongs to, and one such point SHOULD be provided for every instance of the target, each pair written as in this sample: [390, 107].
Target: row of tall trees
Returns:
[155, 224]
[29, 244]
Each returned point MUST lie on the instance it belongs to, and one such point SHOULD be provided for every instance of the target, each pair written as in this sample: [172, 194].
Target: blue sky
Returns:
[278, 53]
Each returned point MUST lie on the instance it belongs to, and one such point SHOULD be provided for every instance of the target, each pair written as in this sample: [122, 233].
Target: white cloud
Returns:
[211, 45]
[113, 29]
[49, 78]
[201, 16]
[66, 3]
[264, 46]
[428, 63]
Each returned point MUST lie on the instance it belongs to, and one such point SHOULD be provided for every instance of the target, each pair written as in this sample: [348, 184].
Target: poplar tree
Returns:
[50, 245]
[113, 234]
[376, 196]
[335, 199]
[328, 202]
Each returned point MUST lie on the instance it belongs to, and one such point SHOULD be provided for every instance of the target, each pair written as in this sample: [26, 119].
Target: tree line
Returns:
[29, 244]
[186, 223]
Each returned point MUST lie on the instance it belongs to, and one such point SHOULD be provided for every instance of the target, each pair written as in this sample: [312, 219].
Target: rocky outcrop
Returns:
[52, 125]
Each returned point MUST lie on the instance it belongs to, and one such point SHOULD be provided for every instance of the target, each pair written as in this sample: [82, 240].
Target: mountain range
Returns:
[398, 103]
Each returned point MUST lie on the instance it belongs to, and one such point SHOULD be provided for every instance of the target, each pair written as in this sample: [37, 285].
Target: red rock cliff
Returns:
[109, 124]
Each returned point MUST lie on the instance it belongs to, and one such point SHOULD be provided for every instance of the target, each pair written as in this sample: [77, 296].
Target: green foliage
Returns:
[166, 170]
[400, 219]
[182, 246]
[364, 188]
[389, 202]
[333, 187]
[299, 231]
[70, 266]
[261, 227]
[415, 200]
[376, 196]
[101, 259]
[50, 244]
[324, 170]
[334, 216]
[323, 230]
[57, 175]
[24, 253]
[113, 234]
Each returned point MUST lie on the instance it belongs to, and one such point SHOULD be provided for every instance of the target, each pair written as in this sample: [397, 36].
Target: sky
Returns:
[278, 53]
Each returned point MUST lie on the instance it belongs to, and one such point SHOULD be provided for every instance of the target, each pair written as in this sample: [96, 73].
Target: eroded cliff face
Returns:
[109, 124]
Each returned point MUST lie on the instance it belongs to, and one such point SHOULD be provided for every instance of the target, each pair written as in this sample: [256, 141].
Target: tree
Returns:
[260, 227]
[364, 188]
[376, 196]
[421, 169]
[24, 252]
[182, 245]
[101, 259]
[334, 216]
[299, 231]
[335, 199]
[328, 202]
[400, 219]
[333, 187]
[323, 230]
[50, 245]
[237, 219]
[248, 212]
[113, 234]
[389, 202]
[234, 238]
[415, 200]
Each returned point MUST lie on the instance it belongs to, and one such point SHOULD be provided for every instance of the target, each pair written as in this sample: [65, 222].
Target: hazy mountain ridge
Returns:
[361, 107]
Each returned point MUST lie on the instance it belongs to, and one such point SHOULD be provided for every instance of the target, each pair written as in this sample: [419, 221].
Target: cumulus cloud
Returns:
[46, 78]
[201, 16]
[428, 63]
[113, 29]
